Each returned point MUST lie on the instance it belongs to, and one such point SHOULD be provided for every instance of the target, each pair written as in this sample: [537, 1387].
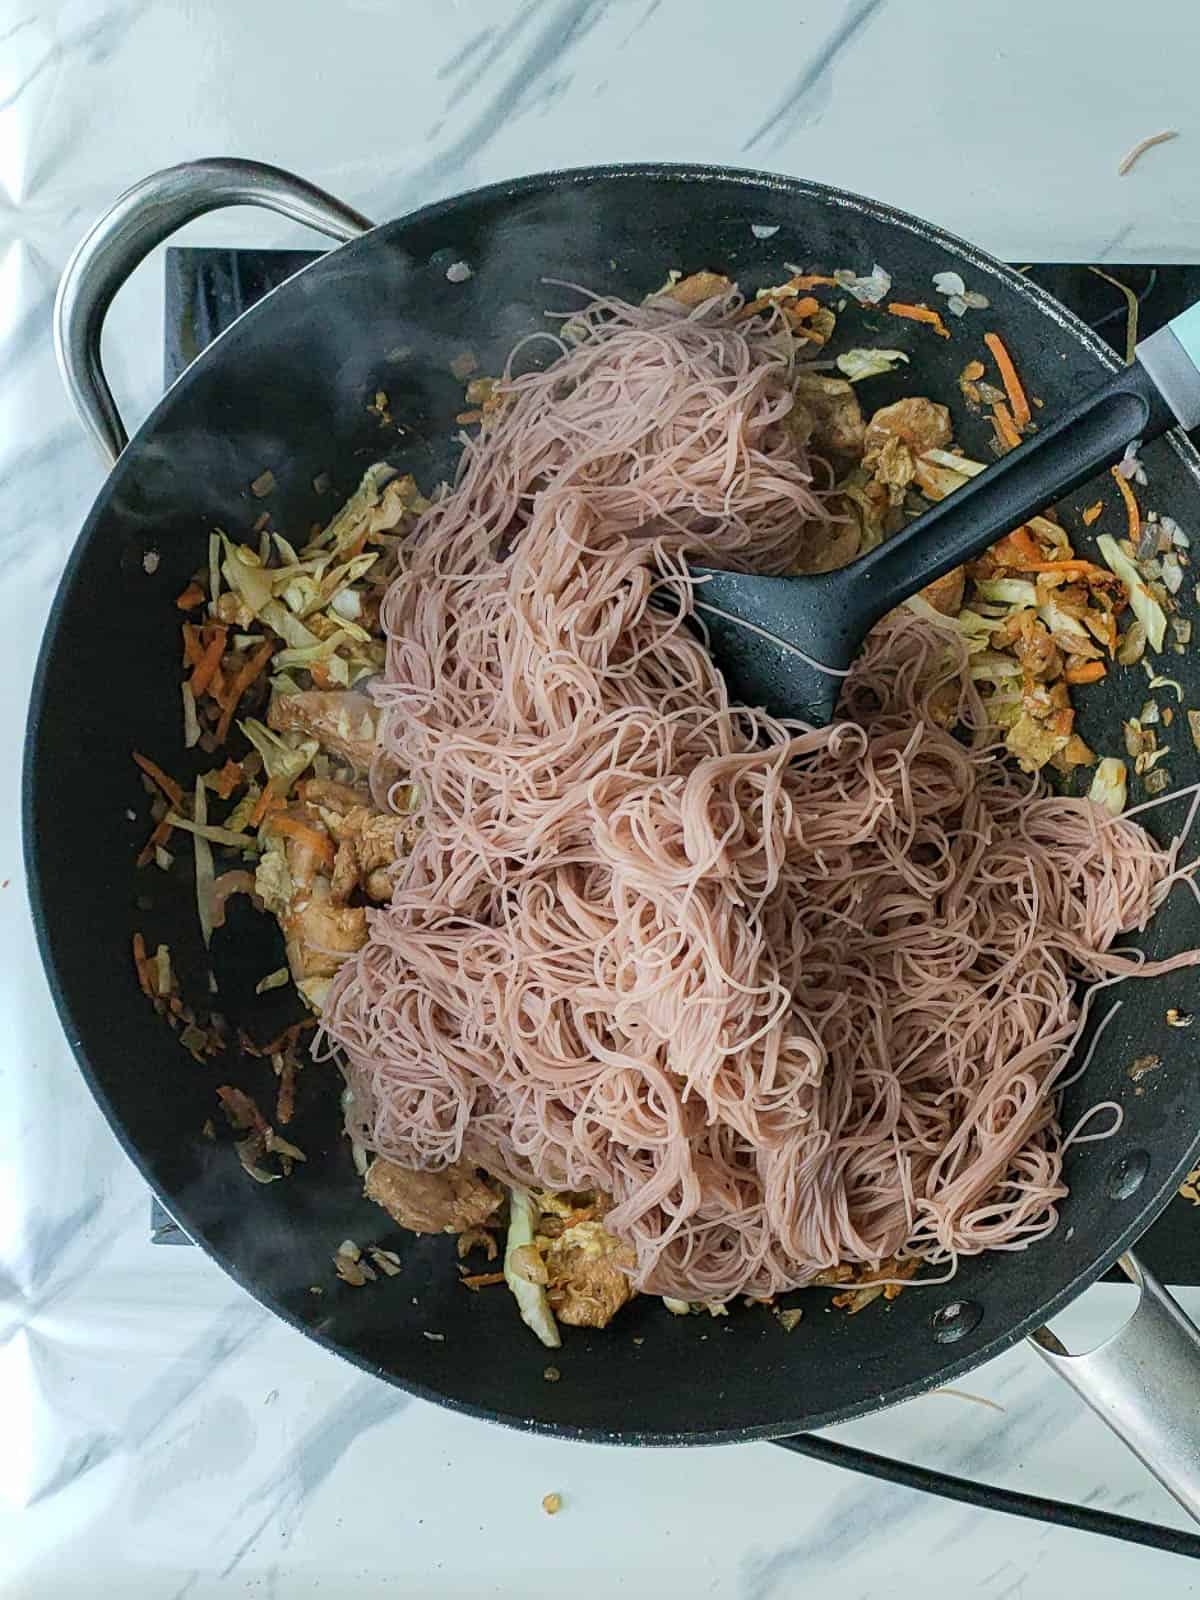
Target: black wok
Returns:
[288, 388]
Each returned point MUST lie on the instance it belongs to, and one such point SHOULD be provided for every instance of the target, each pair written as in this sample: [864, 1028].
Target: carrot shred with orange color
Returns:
[482, 1280]
[1006, 428]
[142, 962]
[920, 314]
[267, 801]
[193, 646]
[242, 681]
[209, 663]
[1013, 387]
[1132, 514]
[303, 833]
[191, 597]
[1086, 672]
[1083, 569]
[160, 779]
[811, 280]
[1092, 513]
[1021, 543]
[228, 779]
[161, 834]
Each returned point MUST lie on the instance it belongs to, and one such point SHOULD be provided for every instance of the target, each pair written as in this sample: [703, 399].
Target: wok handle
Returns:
[141, 219]
[1143, 1383]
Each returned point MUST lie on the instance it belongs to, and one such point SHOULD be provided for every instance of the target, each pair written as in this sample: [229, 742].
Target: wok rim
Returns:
[40, 893]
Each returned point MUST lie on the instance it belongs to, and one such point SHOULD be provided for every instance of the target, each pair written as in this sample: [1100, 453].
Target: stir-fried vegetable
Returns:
[1145, 607]
[1109, 786]
[530, 1297]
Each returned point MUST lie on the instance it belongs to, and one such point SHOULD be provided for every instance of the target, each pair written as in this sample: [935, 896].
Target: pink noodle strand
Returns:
[791, 997]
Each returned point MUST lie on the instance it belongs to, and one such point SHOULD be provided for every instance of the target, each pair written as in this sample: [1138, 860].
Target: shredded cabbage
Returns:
[1145, 607]
[530, 1297]
[205, 877]
[283, 762]
[865, 363]
[347, 525]
[213, 835]
[1007, 591]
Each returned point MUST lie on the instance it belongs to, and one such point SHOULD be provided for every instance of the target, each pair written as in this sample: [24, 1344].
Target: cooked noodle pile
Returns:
[792, 998]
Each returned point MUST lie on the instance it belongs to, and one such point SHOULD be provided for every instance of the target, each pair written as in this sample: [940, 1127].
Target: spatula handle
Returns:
[1063, 454]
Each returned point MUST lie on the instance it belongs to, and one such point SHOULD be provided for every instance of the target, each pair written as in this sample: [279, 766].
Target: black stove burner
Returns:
[207, 289]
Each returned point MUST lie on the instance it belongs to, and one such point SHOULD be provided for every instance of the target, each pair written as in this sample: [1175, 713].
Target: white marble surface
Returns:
[161, 1436]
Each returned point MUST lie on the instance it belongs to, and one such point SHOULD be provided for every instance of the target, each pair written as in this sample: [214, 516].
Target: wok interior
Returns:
[288, 388]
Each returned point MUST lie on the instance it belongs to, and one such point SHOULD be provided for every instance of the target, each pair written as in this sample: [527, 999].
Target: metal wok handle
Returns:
[143, 217]
[1143, 1383]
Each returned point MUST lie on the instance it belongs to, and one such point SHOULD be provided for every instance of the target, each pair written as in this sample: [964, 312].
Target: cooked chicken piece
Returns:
[369, 844]
[454, 1200]
[827, 415]
[586, 1284]
[897, 435]
[293, 880]
[1038, 653]
[919, 423]
[343, 721]
[1033, 742]
[698, 287]
[945, 594]
[1014, 626]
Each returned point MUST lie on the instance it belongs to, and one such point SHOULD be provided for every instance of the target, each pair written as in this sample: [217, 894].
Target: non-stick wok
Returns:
[289, 388]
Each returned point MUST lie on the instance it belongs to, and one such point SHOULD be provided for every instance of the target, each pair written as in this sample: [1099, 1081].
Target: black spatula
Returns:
[756, 625]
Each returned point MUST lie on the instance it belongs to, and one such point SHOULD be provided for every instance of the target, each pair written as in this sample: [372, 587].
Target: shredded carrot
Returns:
[1021, 544]
[228, 779]
[482, 1280]
[142, 962]
[1006, 428]
[920, 314]
[267, 801]
[159, 778]
[160, 836]
[1081, 569]
[1086, 672]
[1092, 513]
[209, 663]
[811, 280]
[807, 307]
[1008, 376]
[252, 669]
[319, 843]
[796, 310]
[1132, 514]
[972, 372]
[191, 597]
[193, 646]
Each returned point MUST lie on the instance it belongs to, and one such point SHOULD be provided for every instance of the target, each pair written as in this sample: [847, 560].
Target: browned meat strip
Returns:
[450, 1201]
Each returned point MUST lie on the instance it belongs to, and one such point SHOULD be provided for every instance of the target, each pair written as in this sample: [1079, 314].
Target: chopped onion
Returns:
[764, 230]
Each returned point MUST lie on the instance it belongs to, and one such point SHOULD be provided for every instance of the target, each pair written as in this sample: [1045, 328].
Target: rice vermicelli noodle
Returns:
[792, 997]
